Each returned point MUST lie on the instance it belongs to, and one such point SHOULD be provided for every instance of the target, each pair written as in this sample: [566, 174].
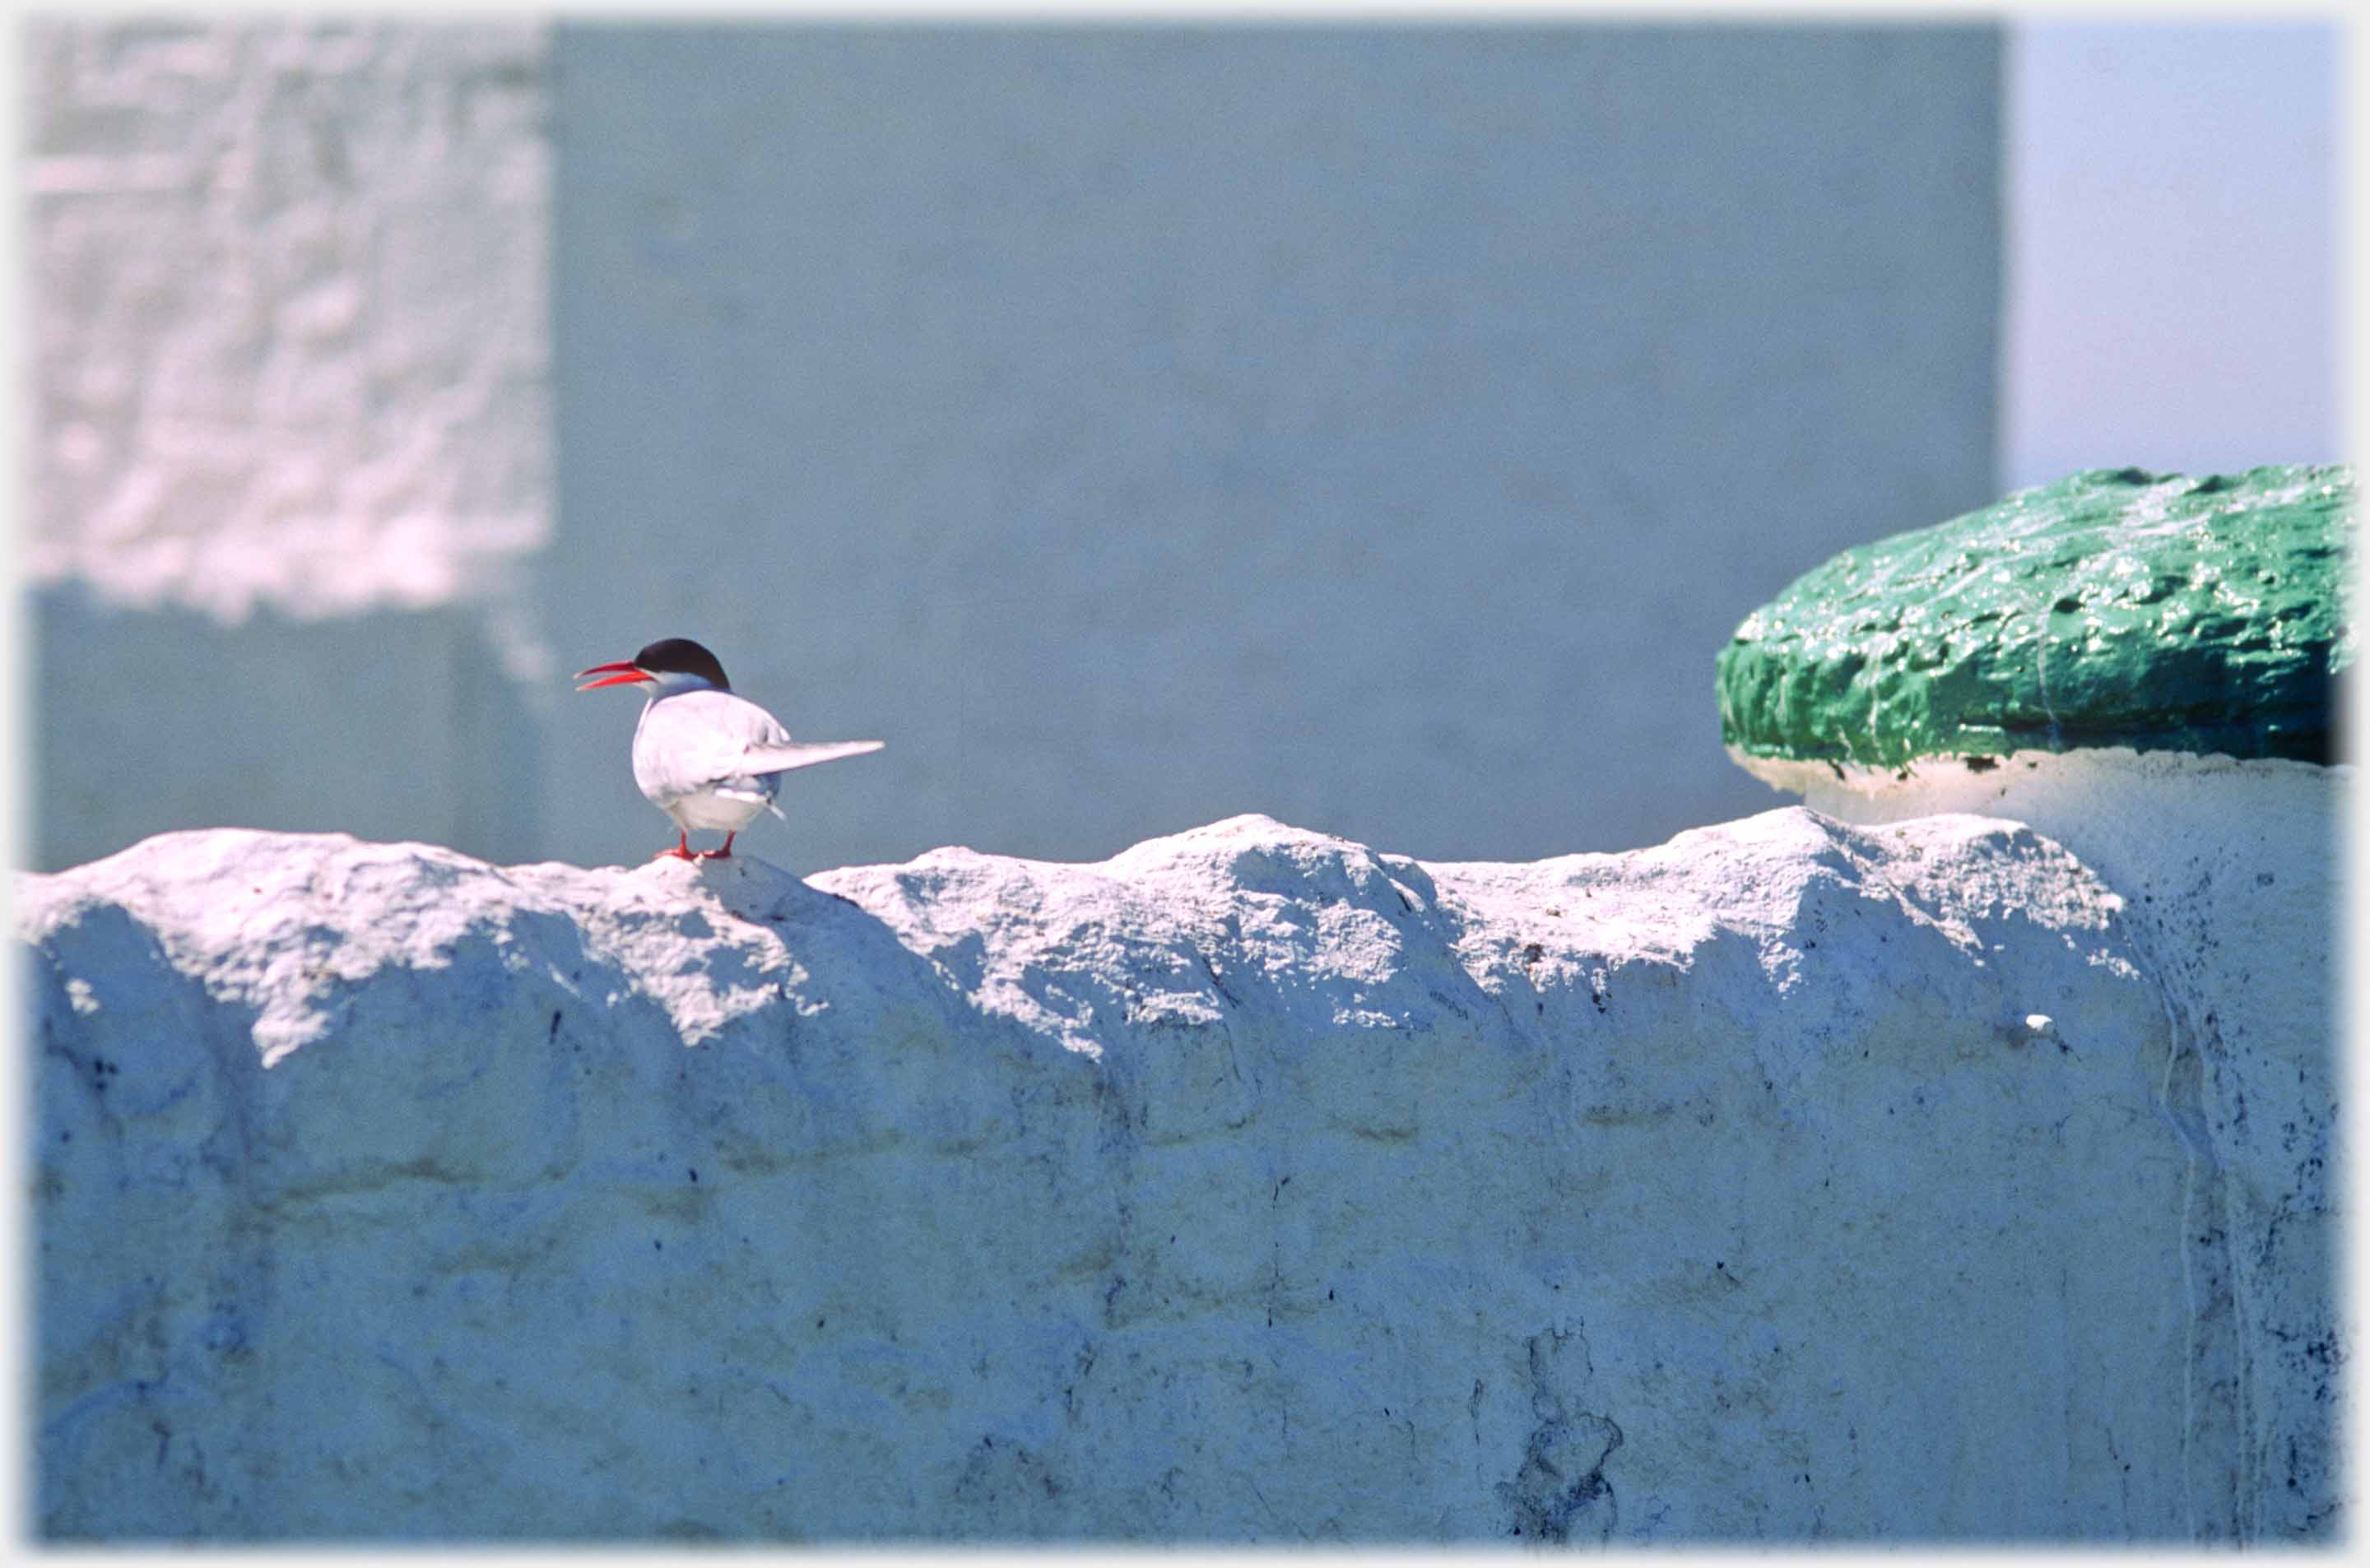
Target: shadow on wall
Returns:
[392, 724]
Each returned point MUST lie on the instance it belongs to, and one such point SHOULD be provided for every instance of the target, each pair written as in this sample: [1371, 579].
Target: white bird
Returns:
[707, 758]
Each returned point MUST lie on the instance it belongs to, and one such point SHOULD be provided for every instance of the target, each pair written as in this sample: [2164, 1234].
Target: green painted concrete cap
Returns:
[2113, 608]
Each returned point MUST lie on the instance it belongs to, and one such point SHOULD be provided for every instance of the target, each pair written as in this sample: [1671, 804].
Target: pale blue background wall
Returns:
[1380, 428]
[1371, 429]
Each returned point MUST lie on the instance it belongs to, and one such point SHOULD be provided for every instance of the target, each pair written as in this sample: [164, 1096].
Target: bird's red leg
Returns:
[724, 854]
[682, 849]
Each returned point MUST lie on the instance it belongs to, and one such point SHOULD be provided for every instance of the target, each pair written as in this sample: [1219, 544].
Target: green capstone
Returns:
[2113, 608]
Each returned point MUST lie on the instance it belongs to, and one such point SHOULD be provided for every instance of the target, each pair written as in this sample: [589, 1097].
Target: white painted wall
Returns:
[289, 308]
[1251, 1187]
[291, 429]
[2230, 872]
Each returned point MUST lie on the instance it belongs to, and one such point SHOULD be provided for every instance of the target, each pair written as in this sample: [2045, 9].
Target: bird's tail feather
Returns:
[789, 754]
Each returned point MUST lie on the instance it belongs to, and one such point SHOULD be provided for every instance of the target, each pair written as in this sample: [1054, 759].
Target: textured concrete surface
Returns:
[1787, 1182]
[2231, 874]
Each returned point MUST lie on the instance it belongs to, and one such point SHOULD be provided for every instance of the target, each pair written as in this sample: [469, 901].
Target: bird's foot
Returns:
[682, 849]
[724, 854]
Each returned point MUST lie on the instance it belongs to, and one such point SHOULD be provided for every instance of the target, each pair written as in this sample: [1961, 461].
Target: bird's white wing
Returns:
[701, 741]
[780, 757]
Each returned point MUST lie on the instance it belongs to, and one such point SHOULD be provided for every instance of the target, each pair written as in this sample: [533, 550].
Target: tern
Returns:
[707, 757]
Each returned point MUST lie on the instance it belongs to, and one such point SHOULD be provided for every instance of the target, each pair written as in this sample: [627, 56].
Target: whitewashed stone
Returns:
[2230, 868]
[1249, 1186]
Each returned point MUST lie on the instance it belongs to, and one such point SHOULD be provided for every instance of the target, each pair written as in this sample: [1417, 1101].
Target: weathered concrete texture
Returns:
[1249, 1186]
[2230, 869]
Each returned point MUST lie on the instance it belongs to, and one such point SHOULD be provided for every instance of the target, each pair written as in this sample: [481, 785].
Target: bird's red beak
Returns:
[626, 673]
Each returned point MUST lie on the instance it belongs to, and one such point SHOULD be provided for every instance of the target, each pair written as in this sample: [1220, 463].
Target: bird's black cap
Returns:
[680, 656]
